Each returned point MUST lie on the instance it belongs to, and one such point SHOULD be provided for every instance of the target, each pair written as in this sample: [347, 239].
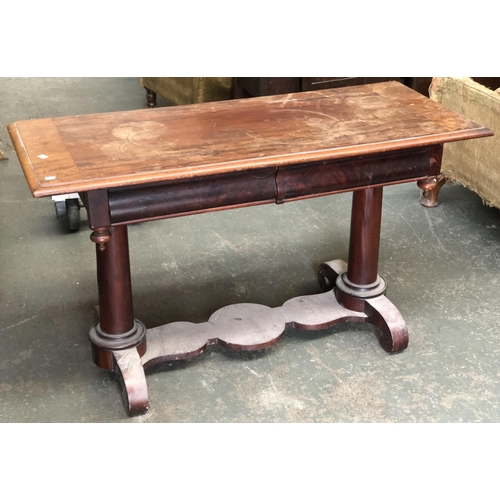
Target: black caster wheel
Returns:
[73, 213]
[60, 207]
[328, 272]
[326, 277]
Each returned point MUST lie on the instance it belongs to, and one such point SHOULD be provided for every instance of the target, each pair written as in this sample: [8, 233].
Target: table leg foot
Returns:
[379, 310]
[130, 371]
[386, 317]
[430, 189]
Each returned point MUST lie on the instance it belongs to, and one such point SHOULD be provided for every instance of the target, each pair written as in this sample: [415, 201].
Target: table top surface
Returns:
[84, 152]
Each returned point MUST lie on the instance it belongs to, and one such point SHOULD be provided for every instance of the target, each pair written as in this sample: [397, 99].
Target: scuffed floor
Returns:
[442, 267]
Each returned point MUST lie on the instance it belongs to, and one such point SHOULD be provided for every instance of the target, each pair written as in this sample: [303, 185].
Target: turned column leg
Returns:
[114, 282]
[364, 241]
[118, 332]
[361, 280]
[361, 288]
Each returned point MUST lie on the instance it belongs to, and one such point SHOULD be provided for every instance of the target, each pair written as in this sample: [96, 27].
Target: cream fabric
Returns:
[473, 163]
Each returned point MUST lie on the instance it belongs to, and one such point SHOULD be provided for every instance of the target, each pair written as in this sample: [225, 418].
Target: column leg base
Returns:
[379, 310]
[125, 363]
[103, 344]
[130, 371]
[247, 327]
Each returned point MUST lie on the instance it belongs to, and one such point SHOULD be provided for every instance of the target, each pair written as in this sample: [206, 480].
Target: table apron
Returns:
[275, 184]
[189, 196]
[348, 174]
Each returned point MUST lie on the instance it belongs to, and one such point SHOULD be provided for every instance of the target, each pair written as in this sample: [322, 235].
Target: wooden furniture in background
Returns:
[260, 86]
[136, 166]
[187, 90]
[192, 90]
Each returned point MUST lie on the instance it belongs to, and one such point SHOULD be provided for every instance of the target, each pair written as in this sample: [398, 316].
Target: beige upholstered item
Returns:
[475, 164]
[190, 90]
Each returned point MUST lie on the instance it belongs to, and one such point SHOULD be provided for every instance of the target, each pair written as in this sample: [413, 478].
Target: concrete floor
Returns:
[442, 266]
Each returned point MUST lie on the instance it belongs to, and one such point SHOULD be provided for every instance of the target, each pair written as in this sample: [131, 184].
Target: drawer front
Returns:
[203, 194]
[347, 174]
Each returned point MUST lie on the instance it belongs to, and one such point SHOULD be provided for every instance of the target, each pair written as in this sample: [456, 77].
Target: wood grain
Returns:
[245, 327]
[87, 152]
[128, 367]
[248, 327]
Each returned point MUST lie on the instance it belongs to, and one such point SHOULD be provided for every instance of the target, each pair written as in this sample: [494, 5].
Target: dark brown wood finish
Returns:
[141, 165]
[364, 241]
[347, 174]
[224, 191]
[419, 83]
[87, 152]
[115, 288]
[190, 196]
[430, 190]
[117, 329]
[361, 280]
[259, 86]
[319, 83]
[491, 82]
[97, 204]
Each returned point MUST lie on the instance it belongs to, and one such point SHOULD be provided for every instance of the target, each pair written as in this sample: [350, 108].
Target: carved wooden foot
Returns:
[128, 367]
[124, 362]
[150, 97]
[385, 316]
[430, 190]
[379, 310]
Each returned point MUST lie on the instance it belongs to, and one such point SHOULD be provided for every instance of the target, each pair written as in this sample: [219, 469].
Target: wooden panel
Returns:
[317, 83]
[302, 181]
[419, 83]
[245, 327]
[97, 204]
[260, 86]
[186, 197]
[44, 157]
[154, 145]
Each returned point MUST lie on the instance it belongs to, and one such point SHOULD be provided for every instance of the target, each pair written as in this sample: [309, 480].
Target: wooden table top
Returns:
[85, 152]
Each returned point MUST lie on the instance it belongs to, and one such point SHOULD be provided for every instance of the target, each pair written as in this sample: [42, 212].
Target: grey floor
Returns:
[442, 266]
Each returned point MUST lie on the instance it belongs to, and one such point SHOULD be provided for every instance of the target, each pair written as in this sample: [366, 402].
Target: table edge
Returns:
[39, 191]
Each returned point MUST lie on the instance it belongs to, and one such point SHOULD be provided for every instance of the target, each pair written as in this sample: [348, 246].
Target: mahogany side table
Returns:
[142, 165]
